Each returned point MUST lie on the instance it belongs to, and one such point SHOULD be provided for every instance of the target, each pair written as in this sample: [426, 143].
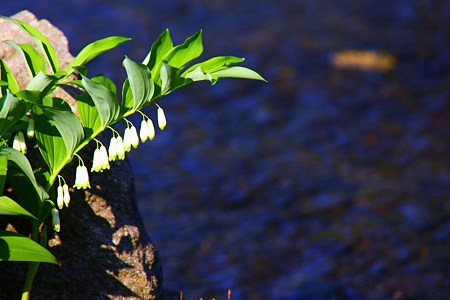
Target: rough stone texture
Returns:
[103, 247]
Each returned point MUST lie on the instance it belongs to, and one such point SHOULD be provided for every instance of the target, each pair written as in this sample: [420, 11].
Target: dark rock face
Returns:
[103, 247]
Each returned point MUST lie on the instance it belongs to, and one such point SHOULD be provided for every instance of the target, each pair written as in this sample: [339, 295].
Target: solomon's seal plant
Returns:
[33, 116]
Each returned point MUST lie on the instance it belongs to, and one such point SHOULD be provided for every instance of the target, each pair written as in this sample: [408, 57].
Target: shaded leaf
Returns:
[3, 171]
[139, 82]
[10, 207]
[16, 247]
[6, 75]
[11, 110]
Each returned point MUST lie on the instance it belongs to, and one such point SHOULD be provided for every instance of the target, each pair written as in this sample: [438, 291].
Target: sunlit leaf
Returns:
[215, 64]
[182, 54]
[239, 72]
[16, 247]
[140, 83]
[105, 100]
[41, 41]
[34, 60]
[94, 49]
[10, 207]
[11, 110]
[42, 83]
[169, 78]
[88, 114]
[6, 75]
[158, 50]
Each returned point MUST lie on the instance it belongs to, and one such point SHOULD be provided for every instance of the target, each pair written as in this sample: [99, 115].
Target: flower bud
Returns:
[55, 220]
[127, 139]
[19, 142]
[134, 137]
[150, 130]
[30, 128]
[96, 166]
[162, 122]
[60, 197]
[103, 157]
[66, 195]
[120, 148]
[143, 132]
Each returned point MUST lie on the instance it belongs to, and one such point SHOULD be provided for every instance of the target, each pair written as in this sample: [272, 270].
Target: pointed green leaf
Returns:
[6, 75]
[140, 83]
[238, 72]
[10, 207]
[215, 64]
[3, 171]
[89, 115]
[182, 54]
[105, 100]
[158, 50]
[34, 61]
[21, 178]
[41, 41]
[42, 83]
[169, 78]
[198, 75]
[94, 49]
[16, 247]
[11, 110]
[58, 132]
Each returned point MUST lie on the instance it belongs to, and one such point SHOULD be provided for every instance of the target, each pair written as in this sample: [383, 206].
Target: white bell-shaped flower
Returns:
[103, 157]
[96, 163]
[60, 197]
[66, 195]
[82, 178]
[120, 148]
[113, 149]
[150, 130]
[134, 137]
[19, 142]
[143, 132]
[127, 139]
[162, 122]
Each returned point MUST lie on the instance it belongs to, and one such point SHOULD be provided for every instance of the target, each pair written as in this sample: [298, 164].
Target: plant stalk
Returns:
[31, 273]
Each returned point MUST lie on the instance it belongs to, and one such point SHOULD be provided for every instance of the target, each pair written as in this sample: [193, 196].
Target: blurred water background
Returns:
[332, 181]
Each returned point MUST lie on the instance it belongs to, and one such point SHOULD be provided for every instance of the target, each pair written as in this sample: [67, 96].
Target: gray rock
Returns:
[103, 247]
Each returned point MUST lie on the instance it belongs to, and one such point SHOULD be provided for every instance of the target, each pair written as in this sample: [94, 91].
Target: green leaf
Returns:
[215, 64]
[239, 72]
[41, 41]
[10, 207]
[3, 171]
[42, 83]
[140, 83]
[169, 78]
[94, 49]
[158, 50]
[182, 54]
[58, 132]
[16, 247]
[6, 75]
[89, 115]
[105, 100]
[198, 75]
[34, 61]
[11, 110]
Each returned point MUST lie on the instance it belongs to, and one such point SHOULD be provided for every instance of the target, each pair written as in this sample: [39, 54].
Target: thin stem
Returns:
[31, 273]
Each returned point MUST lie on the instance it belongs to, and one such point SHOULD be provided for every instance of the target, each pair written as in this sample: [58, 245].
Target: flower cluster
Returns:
[100, 161]
[63, 196]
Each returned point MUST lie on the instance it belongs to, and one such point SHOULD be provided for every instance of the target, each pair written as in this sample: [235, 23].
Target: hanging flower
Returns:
[162, 122]
[82, 178]
[127, 139]
[103, 157]
[134, 137]
[113, 149]
[143, 132]
[19, 142]
[30, 128]
[120, 148]
[60, 197]
[150, 130]
[96, 164]
[66, 195]
[55, 220]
